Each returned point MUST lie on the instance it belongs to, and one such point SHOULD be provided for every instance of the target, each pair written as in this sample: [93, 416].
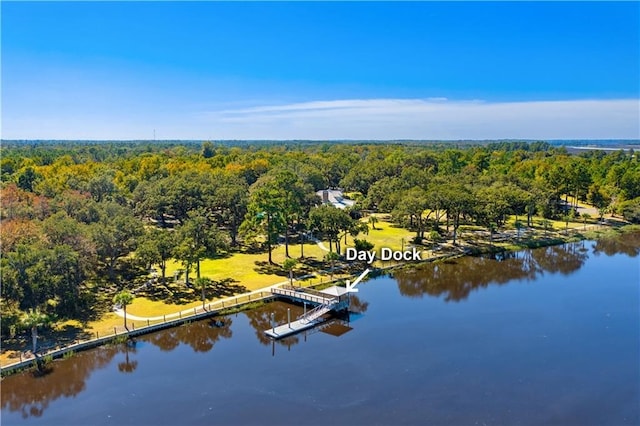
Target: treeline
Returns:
[82, 221]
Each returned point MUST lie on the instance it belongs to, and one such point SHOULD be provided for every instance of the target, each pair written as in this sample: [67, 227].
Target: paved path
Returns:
[319, 243]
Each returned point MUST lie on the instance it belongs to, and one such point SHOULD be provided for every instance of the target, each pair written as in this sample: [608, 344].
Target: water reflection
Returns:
[199, 335]
[128, 366]
[260, 320]
[455, 279]
[564, 259]
[628, 244]
[31, 395]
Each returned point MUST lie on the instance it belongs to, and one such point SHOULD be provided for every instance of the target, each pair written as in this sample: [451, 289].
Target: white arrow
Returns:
[351, 287]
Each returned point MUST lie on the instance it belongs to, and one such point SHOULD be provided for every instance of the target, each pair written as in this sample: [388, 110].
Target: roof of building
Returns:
[335, 291]
[335, 197]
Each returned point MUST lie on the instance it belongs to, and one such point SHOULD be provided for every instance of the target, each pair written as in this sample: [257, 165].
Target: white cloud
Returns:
[432, 119]
[381, 119]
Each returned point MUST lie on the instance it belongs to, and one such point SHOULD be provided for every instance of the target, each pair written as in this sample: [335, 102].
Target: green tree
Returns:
[631, 210]
[412, 205]
[519, 225]
[599, 199]
[208, 150]
[115, 235]
[151, 200]
[32, 320]
[289, 265]
[436, 201]
[265, 214]
[459, 203]
[362, 245]
[294, 191]
[331, 257]
[101, 186]
[123, 298]
[372, 221]
[203, 283]
[27, 179]
[494, 205]
[579, 179]
[156, 247]
[330, 222]
[227, 198]
[199, 238]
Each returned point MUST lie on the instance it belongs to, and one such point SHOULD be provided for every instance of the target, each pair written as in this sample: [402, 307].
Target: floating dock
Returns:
[292, 328]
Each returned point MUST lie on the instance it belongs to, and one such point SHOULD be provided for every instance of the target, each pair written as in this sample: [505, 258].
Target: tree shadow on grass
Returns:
[264, 267]
[305, 266]
[255, 248]
[170, 292]
[48, 338]
[311, 263]
[225, 288]
[221, 255]
[180, 294]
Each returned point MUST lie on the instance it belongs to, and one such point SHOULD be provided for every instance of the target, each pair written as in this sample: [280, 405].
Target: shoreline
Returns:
[244, 301]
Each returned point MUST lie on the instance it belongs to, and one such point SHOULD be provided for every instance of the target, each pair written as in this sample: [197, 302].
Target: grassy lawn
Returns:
[249, 270]
[556, 225]
[386, 234]
[572, 200]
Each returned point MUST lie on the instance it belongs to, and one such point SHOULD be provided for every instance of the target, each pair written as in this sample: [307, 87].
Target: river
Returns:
[544, 336]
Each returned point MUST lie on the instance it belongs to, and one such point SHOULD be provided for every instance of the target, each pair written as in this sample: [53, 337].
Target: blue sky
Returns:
[417, 70]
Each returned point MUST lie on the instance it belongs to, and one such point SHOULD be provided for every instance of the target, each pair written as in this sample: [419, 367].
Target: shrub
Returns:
[631, 210]
[363, 245]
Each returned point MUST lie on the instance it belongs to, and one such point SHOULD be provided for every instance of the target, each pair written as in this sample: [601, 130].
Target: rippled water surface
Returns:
[545, 336]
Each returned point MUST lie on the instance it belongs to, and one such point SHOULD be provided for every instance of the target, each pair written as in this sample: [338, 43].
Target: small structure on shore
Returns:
[335, 198]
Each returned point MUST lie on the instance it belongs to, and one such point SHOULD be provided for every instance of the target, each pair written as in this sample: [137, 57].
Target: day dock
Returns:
[324, 302]
[309, 295]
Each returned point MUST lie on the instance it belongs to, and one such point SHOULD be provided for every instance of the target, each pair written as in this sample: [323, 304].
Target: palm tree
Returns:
[566, 219]
[332, 257]
[289, 265]
[203, 283]
[519, 226]
[123, 299]
[373, 220]
[585, 217]
[33, 320]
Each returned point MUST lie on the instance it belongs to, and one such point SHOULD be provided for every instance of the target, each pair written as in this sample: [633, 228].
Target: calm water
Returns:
[548, 336]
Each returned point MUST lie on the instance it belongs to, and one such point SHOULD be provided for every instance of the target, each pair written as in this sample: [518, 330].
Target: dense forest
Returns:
[81, 221]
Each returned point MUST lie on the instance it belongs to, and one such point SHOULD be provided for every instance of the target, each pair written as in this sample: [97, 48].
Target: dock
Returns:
[332, 299]
[292, 328]
[326, 301]
[299, 294]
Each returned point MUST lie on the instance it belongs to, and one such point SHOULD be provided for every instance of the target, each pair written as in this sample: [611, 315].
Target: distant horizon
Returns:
[533, 140]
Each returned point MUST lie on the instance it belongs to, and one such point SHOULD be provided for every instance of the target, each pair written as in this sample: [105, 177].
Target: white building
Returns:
[334, 197]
